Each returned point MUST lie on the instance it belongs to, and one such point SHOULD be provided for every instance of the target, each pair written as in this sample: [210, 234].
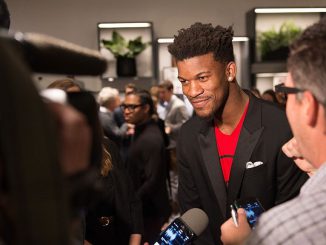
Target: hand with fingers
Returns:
[232, 234]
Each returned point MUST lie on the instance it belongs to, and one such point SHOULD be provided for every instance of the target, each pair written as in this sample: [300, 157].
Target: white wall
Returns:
[75, 20]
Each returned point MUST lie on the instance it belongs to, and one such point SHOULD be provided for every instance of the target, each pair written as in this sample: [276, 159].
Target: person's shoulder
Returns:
[194, 124]
[152, 130]
[106, 115]
[292, 221]
[307, 204]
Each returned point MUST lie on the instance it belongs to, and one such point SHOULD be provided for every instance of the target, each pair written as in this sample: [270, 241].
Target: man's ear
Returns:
[310, 108]
[231, 71]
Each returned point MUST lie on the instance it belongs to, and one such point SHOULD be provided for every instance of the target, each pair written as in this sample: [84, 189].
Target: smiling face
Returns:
[204, 82]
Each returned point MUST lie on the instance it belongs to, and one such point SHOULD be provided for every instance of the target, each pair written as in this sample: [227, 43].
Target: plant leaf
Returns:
[136, 46]
[119, 47]
[272, 40]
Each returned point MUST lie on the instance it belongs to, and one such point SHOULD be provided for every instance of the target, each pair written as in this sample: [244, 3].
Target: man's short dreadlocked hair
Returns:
[201, 39]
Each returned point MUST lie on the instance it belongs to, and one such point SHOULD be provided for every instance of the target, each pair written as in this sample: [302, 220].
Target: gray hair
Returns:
[307, 61]
[107, 95]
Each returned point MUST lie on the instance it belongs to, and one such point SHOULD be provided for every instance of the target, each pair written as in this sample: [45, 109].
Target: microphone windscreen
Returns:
[196, 219]
[46, 54]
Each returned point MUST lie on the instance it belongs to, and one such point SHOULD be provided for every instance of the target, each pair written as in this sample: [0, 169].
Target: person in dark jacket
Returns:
[231, 149]
[117, 217]
[147, 162]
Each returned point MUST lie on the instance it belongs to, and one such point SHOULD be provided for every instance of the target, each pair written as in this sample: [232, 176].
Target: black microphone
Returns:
[46, 54]
[184, 229]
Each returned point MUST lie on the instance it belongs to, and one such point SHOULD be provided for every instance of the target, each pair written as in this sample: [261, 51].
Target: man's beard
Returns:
[217, 112]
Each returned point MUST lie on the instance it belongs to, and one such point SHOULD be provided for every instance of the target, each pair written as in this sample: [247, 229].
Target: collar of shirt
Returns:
[103, 109]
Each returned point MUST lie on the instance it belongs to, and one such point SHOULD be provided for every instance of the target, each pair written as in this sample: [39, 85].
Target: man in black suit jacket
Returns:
[255, 165]
[147, 162]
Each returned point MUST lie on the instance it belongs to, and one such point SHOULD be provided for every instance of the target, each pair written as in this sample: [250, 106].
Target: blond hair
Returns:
[106, 162]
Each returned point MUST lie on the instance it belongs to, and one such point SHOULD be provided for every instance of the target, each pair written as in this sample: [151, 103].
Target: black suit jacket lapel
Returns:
[250, 133]
[207, 145]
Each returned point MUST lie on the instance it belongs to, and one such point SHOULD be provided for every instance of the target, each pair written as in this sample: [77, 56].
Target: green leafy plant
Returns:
[119, 47]
[273, 40]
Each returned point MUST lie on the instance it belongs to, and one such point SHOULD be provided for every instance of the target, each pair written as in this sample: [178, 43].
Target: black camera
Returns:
[32, 180]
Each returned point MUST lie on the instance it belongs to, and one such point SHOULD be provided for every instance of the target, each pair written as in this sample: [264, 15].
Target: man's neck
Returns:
[169, 99]
[234, 108]
[144, 121]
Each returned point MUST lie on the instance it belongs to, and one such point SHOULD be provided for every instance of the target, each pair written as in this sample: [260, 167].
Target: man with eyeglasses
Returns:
[303, 219]
[147, 163]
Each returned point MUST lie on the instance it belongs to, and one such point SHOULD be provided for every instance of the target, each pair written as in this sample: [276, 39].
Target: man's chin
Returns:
[204, 115]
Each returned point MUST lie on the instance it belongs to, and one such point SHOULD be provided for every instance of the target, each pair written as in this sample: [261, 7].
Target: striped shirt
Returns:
[299, 221]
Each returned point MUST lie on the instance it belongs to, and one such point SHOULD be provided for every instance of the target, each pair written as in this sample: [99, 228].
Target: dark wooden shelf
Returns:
[268, 67]
[269, 18]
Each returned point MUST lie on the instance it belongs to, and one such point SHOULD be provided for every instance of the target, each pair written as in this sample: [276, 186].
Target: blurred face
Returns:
[129, 90]
[134, 112]
[204, 83]
[164, 94]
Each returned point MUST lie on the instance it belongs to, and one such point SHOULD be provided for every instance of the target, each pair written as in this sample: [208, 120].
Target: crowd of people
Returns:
[156, 160]
[139, 195]
[270, 95]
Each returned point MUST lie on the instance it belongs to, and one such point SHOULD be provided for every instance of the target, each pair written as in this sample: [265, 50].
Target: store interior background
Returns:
[76, 20]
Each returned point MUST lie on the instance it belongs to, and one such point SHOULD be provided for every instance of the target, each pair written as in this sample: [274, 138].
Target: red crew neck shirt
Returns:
[226, 145]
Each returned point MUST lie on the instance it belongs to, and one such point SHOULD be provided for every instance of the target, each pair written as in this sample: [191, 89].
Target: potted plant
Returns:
[274, 45]
[125, 52]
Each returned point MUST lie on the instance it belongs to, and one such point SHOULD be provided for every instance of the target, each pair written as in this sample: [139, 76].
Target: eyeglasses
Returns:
[130, 107]
[280, 88]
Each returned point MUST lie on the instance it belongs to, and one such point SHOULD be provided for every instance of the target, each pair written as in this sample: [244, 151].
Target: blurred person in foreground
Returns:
[303, 219]
[231, 149]
[114, 218]
[4, 15]
[74, 150]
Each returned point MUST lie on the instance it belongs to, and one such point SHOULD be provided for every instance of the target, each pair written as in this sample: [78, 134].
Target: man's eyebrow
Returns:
[197, 75]
[203, 73]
